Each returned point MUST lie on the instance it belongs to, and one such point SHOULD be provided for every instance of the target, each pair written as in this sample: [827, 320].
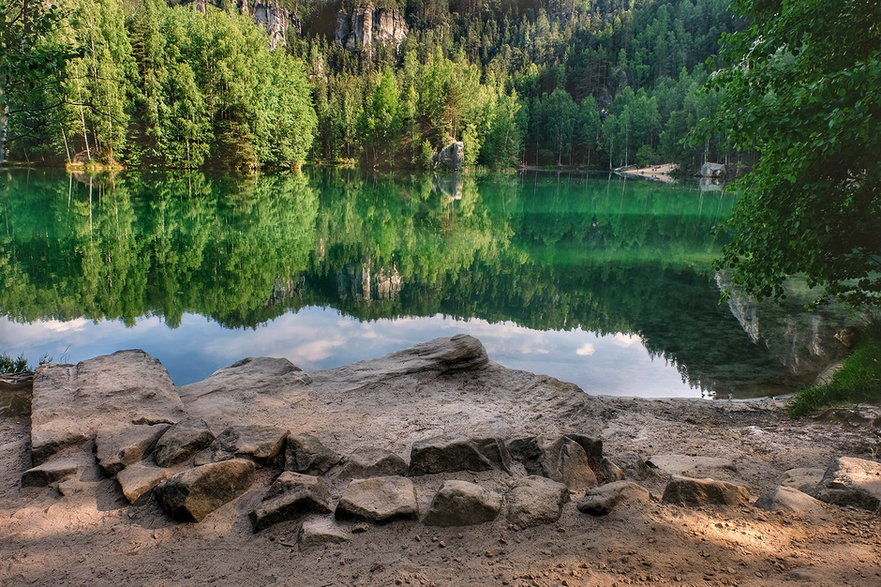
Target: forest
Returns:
[239, 85]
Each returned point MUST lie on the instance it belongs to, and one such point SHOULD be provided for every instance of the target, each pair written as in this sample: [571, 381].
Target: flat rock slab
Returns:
[691, 466]
[555, 457]
[291, 496]
[195, 493]
[687, 491]
[442, 454]
[535, 501]
[182, 441]
[117, 449]
[852, 482]
[372, 462]
[306, 454]
[601, 500]
[787, 499]
[806, 479]
[378, 499]
[259, 443]
[137, 480]
[57, 469]
[460, 503]
[71, 403]
[320, 531]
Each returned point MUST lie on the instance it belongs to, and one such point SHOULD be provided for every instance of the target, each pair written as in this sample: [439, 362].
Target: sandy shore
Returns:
[93, 536]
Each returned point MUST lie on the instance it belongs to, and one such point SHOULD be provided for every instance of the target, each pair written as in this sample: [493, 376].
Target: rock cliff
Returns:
[267, 13]
[367, 26]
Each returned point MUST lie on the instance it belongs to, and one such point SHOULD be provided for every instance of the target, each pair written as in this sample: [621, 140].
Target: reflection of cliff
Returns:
[804, 342]
[363, 283]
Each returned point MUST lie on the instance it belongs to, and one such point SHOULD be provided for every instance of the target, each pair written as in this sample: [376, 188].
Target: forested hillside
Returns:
[600, 83]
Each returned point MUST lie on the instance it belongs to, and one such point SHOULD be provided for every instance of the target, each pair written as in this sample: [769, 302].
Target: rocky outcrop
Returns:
[268, 14]
[787, 499]
[289, 497]
[600, 501]
[535, 501]
[117, 450]
[451, 157]
[306, 454]
[195, 493]
[556, 457]
[700, 492]
[852, 482]
[182, 441]
[460, 503]
[262, 444]
[372, 462]
[366, 26]
[71, 403]
[380, 499]
[458, 453]
[137, 480]
[713, 170]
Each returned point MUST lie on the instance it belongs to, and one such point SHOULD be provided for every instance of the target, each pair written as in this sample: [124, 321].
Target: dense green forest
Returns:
[142, 83]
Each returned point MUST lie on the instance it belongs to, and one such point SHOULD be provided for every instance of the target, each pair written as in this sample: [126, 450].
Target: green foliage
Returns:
[10, 365]
[858, 380]
[802, 92]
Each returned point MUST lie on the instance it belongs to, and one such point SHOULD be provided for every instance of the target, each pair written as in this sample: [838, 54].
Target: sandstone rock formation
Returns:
[460, 503]
[536, 500]
[291, 496]
[699, 492]
[367, 26]
[378, 499]
[600, 501]
[195, 493]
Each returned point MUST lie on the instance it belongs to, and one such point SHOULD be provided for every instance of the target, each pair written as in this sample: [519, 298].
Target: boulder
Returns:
[195, 493]
[610, 472]
[52, 471]
[536, 500]
[451, 157]
[633, 465]
[458, 453]
[788, 499]
[713, 170]
[71, 403]
[556, 457]
[289, 497]
[372, 462]
[306, 454]
[691, 466]
[262, 444]
[460, 503]
[378, 499]
[593, 447]
[182, 441]
[601, 500]
[118, 449]
[321, 531]
[852, 482]
[139, 479]
[699, 492]
[805, 479]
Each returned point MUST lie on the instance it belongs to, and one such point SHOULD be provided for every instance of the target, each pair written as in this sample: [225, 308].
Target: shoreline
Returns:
[443, 388]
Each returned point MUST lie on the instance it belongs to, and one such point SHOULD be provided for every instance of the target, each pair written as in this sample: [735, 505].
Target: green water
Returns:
[596, 280]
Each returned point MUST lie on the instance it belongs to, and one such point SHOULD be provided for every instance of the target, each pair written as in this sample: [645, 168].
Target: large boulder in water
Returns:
[71, 403]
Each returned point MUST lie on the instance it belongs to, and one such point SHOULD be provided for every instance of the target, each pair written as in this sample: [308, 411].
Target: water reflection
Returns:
[603, 282]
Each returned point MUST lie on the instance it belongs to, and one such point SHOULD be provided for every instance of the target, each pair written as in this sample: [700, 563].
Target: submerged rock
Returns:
[536, 500]
[460, 503]
[71, 403]
[378, 499]
[195, 493]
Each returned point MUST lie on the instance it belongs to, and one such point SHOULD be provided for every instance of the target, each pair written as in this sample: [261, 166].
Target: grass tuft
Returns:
[858, 380]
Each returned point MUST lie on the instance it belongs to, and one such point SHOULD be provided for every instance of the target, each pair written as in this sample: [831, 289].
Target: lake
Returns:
[597, 280]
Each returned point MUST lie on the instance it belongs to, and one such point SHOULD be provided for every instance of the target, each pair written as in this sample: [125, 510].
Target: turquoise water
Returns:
[601, 281]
